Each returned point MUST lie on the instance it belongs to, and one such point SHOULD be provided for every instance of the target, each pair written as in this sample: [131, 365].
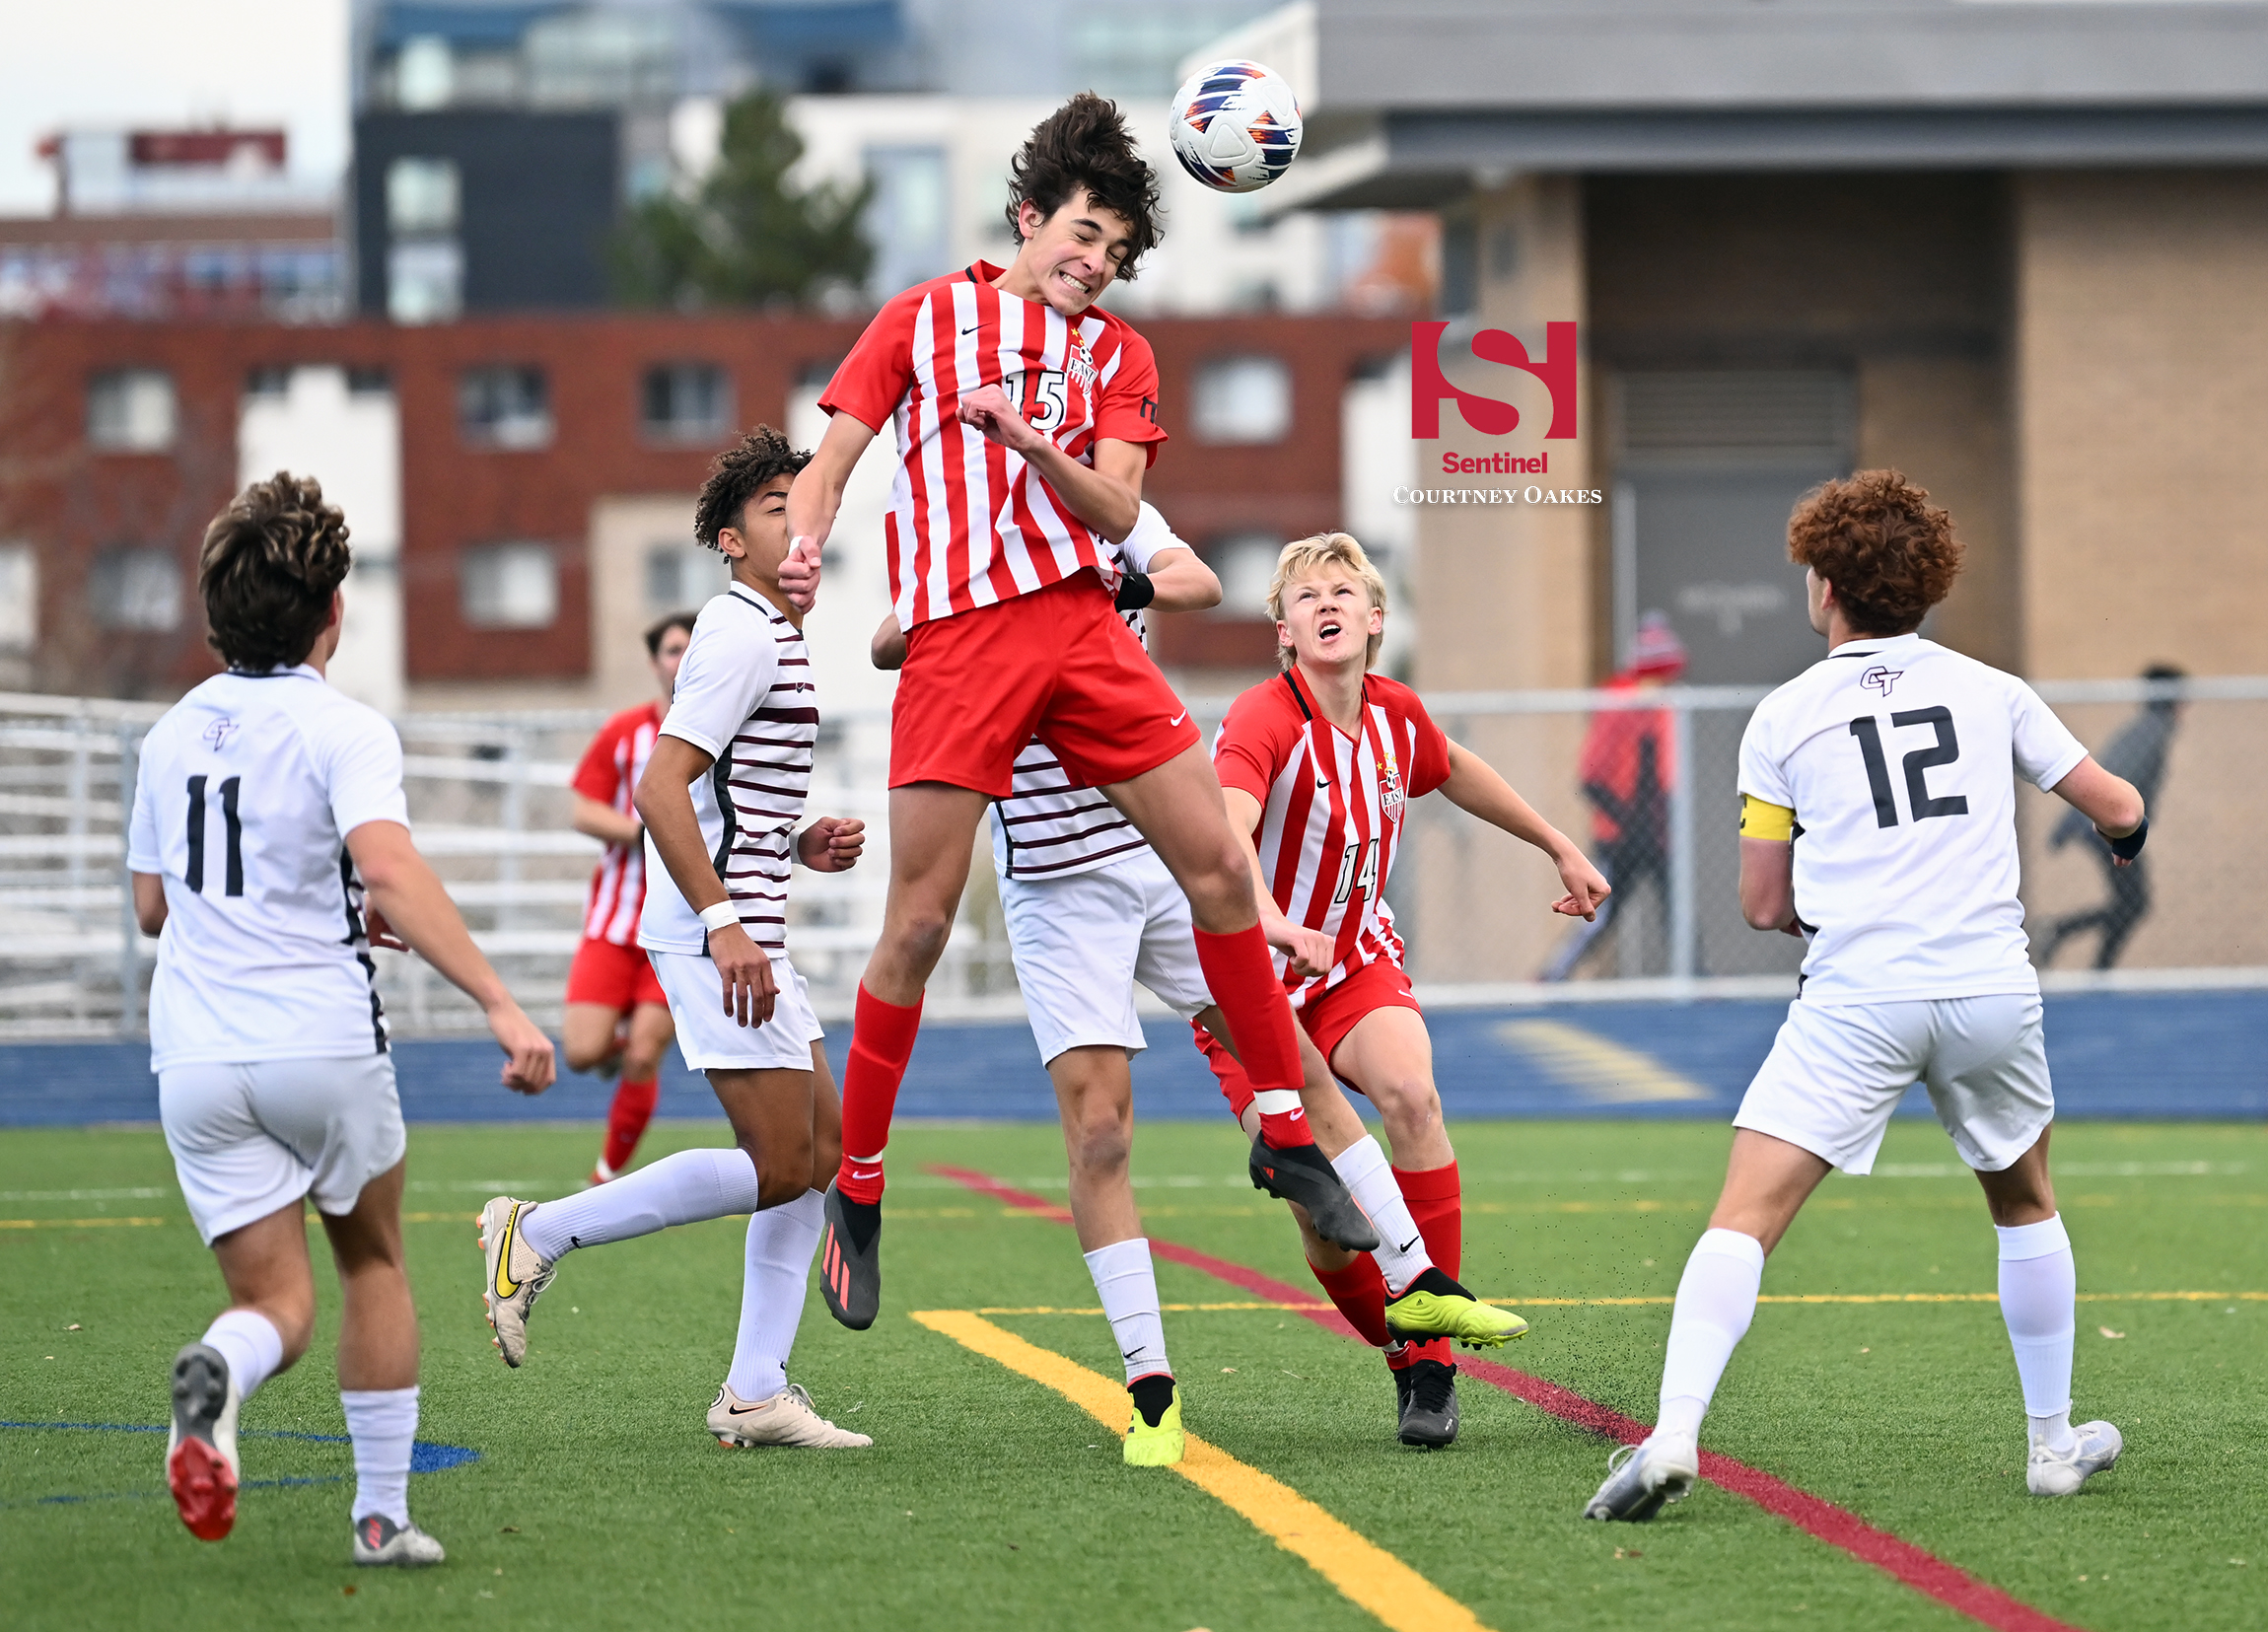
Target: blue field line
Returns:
[425, 1457]
[2194, 1055]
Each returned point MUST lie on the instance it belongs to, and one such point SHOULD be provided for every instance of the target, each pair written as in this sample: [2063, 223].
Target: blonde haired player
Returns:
[269, 833]
[1318, 767]
[1889, 761]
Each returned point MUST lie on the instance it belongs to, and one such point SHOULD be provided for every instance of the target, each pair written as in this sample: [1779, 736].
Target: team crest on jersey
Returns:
[217, 734]
[1391, 786]
[1878, 678]
[1081, 365]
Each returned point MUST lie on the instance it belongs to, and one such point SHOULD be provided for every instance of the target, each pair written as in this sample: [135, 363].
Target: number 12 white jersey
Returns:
[1895, 756]
[247, 790]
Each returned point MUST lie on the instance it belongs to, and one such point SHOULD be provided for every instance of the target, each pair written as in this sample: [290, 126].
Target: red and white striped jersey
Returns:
[745, 697]
[608, 773]
[968, 524]
[1331, 808]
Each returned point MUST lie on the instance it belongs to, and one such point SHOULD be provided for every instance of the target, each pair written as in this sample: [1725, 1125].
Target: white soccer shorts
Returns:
[1082, 942]
[713, 1040]
[249, 1139]
[1837, 1070]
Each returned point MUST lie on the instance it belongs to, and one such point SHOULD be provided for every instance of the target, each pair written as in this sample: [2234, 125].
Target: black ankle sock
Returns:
[1152, 1394]
[1436, 1280]
[861, 1220]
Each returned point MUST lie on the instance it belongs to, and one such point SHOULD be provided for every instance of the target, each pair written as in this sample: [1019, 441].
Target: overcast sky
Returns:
[161, 63]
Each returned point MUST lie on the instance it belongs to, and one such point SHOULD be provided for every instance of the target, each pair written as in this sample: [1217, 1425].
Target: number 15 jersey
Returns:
[1895, 756]
[247, 790]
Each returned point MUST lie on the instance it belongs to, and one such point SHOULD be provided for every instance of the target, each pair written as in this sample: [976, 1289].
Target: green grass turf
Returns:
[990, 1502]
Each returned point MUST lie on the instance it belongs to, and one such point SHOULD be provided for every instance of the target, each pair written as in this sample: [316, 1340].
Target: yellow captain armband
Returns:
[1761, 821]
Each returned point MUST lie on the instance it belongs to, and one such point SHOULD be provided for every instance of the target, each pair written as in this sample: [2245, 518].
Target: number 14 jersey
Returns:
[1895, 756]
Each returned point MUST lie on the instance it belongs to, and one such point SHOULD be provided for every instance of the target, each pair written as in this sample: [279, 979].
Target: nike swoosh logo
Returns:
[1129, 1354]
[855, 1173]
[1407, 1244]
[972, 328]
[1178, 718]
[506, 1287]
[743, 1410]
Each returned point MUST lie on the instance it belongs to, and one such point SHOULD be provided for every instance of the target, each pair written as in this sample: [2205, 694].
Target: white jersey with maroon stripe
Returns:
[744, 696]
[1050, 826]
[608, 773]
[968, 524]
[1331, 808]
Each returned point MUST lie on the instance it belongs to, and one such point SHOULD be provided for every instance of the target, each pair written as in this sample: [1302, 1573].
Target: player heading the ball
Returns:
[1025, 420]
[1889, 761]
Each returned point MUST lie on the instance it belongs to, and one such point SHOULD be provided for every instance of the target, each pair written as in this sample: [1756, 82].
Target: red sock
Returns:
[1359, 1291]
[626, 1120]
[1437, 1202]
[882, 1041]
[1241, 977]
[1432, 1348]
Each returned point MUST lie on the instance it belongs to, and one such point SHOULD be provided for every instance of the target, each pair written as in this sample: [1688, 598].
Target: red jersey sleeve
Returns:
[873, 380]
[597, 776]
[1257, 739]
[1127, 411]
[1429, 768]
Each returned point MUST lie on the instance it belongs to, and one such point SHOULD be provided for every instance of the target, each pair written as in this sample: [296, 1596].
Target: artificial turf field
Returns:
[991, 1501]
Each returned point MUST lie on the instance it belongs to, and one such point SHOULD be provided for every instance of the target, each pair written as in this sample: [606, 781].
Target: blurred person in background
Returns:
[2136, 753]
[617, 1016]
[1627, 767]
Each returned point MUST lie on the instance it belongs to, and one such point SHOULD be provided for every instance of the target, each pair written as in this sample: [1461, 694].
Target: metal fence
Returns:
[1644, 780]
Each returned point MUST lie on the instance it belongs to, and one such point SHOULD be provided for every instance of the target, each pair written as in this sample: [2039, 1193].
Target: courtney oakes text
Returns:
[1499, 495]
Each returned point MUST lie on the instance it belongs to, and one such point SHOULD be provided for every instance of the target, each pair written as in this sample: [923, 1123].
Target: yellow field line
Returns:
[72, 1223]
[1769, 1298]
[1363, 1572]
[1605, 1073]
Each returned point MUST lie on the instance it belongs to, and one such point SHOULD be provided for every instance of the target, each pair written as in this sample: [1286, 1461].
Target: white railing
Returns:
[489, 800]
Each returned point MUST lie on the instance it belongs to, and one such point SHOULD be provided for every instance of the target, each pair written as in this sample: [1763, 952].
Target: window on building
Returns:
[907, 221]
[1243, 399]
[131, 411]
[421, 196]
[424, 280]
[509, 585]
[1246, 564]
[505, 406]
[424, 73]
[130, 586]
[681, 577]
[19, 597]
[685, 403]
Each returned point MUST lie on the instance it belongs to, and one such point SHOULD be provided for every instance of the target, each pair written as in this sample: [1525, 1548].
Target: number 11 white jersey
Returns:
[247, 790]
[1896, 758]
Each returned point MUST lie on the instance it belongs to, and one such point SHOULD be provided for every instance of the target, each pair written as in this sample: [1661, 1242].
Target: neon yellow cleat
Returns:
[1434, 1306]
[1160, 1446]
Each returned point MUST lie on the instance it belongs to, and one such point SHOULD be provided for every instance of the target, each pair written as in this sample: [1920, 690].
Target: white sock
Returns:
[683, 1188]
[773, 1278]
[1128, 1287]
[2039, 1299]
[250, 1343]
[1716, 1301]
[384, 1423]
[1370, 1178]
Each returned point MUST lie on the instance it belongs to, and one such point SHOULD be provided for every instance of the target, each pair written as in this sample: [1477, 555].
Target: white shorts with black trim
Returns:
[1837, 1070]
[713, 1040]
[1082, 942]
[249, 1139]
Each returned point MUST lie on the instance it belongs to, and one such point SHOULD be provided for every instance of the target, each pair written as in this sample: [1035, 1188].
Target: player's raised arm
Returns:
[2111, 802]
[1475, 786]
[1175, 581]
[813, 501]
[401, 886]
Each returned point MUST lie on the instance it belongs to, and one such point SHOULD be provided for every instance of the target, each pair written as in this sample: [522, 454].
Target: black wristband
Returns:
[2129, 847]
[1135, 591]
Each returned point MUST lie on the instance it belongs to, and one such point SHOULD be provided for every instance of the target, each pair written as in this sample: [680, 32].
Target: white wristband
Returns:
[718, 916]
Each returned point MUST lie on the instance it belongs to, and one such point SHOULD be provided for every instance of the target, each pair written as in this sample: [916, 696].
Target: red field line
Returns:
[1837, 1527]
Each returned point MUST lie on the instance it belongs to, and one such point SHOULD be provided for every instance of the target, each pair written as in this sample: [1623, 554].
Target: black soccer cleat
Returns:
[1300, 1174]
[850, 1259]
[1426, 1392]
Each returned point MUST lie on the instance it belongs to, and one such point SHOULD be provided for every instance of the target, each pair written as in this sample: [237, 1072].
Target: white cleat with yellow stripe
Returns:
[517, 1275]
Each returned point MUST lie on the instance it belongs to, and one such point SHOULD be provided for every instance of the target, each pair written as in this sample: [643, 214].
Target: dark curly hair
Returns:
[738, 475]
[1085, 144]
[269, 569]
[1889, 553]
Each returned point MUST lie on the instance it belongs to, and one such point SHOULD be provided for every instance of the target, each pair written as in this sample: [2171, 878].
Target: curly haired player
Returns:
[1889, 759]
[1025, 420]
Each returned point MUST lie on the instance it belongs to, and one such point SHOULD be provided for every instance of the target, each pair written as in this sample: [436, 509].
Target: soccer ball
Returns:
[1235, 126]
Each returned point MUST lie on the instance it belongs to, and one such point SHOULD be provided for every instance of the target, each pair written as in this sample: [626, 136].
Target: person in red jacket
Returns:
[617, 1017]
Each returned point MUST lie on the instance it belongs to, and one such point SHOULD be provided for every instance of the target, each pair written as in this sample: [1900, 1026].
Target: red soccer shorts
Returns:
[1328, 1017]
[1058, 663]
[617, 977]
